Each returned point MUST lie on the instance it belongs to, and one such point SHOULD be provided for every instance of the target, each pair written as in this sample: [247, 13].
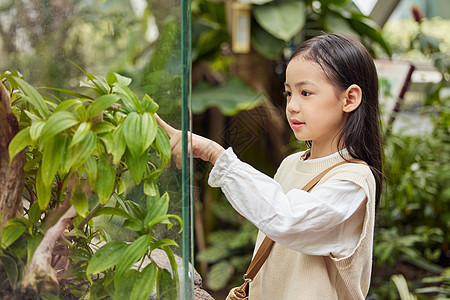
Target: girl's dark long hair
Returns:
[345, 61]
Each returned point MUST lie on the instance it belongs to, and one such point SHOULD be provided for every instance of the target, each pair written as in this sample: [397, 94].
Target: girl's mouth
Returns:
[295, 124]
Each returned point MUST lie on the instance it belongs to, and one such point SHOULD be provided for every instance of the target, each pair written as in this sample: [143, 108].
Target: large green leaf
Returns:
[132, 254]
[100, 104]
[69, 105]
[132, 132]
[11, 233]
[33, 97]
[137, 166]
[163, 145]
[35, 130]
[149, 130]
[123, 286]
[53, 154]
[58, 122]
[105, 179]
[145, 283]
[148, 105]
[266, 44]
[119, 144]
[231, 97]
[80, 200]
[19, 142]
[81, 151]
[113, 77]
[106, 257]
[156, 207]
[91, 169]
[129, 99]
[43, 191]
[282, 19]
[219, 274]
[166, 287]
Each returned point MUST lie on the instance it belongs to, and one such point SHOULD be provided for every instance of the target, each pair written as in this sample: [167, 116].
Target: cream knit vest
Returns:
[289, 274]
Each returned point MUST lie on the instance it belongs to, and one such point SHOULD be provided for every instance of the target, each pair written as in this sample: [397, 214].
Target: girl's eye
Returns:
[306, 93]
[287, 94]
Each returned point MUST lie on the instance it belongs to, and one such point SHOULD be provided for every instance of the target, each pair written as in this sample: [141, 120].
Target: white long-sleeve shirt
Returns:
[313, 223]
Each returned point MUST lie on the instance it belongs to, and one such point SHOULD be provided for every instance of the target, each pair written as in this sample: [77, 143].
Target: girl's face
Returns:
[314, 109]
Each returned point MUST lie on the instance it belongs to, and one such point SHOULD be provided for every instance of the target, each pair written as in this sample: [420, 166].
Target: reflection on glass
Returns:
[48, 42]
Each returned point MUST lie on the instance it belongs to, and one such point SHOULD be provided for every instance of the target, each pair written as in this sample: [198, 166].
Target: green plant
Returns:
[229, 250]
[88, 156]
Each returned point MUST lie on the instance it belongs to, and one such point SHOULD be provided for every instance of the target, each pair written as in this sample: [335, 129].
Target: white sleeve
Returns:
[313, 223]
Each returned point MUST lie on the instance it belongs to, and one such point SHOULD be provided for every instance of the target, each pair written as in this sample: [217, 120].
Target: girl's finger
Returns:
[167, 128]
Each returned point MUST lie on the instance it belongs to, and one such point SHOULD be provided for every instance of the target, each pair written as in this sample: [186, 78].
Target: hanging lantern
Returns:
[241, 27]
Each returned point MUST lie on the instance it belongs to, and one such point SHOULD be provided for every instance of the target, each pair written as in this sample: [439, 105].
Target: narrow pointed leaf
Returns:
[136, 166]
[81, 151]
[129, 99]
[103, 127]
[132, 254]
[57, 123]
[80, 133]
[12, 233]
[43, 191]
[119, 144]
[33, 97]
[149, 129]
[69, 105]
[132, 131]
[100, 104]
[145, 283]
[163, 145]
[105, 180]
[69, 92]
[80, 201]
[156, 207]
[106, 257]
[163, 242]
[53, 153]
[20, 141]
[91, 169]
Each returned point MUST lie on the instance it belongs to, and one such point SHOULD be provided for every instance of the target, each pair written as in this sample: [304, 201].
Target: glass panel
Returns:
[148, 41]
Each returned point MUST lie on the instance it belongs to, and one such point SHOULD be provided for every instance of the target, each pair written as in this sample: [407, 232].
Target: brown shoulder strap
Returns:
[267, 244]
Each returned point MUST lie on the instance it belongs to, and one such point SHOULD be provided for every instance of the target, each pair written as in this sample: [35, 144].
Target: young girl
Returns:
[323, 239]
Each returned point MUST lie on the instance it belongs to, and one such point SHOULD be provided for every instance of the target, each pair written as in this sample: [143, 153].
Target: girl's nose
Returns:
[293, 106]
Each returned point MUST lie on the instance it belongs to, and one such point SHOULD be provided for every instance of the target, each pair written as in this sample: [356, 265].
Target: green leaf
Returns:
[35, 129]
[111, 211]
[91, 169]
[136, 166]
[134, 133]
[80, 201]
[105, 179]
[148, 105]
[149, 129]
[135, 210]
[33, 97]
[146, 280]
[282, 19]
[32, 244]
[219, 275]
[19, 142]
[163, 145]
[266, 44]
[112, 78]
[80, 133]
[103, 127]
[213, 254]
[57, 123]
[11, 267]
[166, 219]
[69, 105]
[119, 144]
[163, 242]
[231, 97]
[106, 257]
[11, 233]
[69, 92]
[130, 100]
[43, 191]
[132, 254]
[34, 213]
[166, 287]
[53, 154]
[123, 286]
[79, 153]
[151, 188]
[100, 104]
[156, 207]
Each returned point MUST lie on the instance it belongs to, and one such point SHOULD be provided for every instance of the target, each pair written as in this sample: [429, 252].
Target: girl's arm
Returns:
[327, 220]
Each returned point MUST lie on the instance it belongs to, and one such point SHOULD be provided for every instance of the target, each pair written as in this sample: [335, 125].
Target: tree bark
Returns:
[12, 176]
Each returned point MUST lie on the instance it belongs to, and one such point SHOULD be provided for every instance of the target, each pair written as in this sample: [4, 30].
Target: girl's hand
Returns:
[202, 147]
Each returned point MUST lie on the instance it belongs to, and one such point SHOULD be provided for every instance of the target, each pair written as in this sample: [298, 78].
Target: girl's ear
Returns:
[351, 98]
